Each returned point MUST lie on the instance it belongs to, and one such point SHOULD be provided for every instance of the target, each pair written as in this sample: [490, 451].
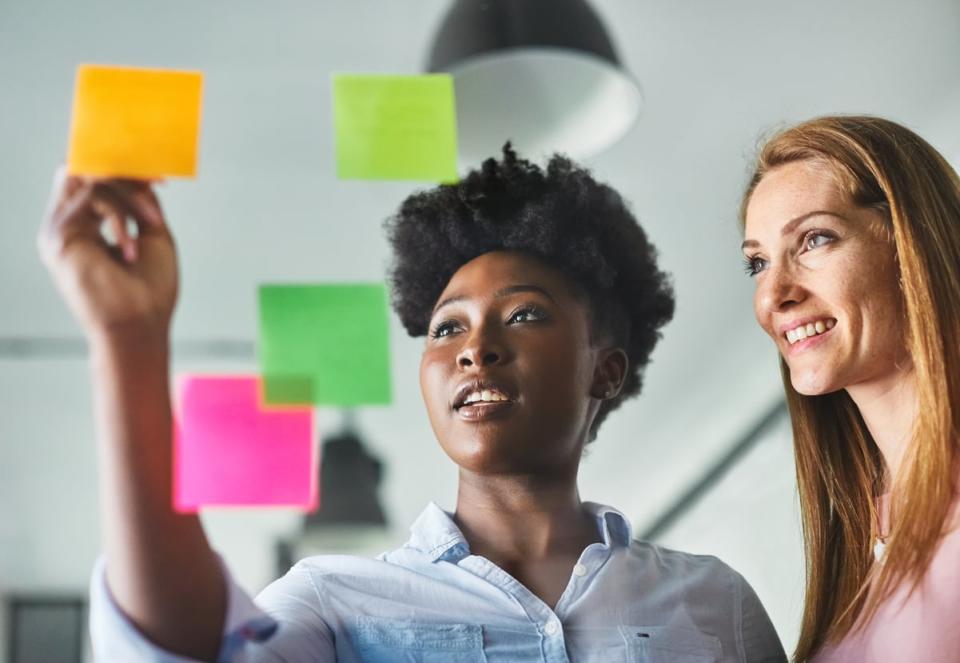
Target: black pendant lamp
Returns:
[541, 73]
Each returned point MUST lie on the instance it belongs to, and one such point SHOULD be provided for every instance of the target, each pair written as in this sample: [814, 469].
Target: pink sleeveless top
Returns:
[924, 627]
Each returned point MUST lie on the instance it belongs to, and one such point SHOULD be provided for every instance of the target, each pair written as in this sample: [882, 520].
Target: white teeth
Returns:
[808, 330]
[485, 396]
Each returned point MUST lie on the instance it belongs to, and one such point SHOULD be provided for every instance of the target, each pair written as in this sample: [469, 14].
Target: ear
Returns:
[610, 373]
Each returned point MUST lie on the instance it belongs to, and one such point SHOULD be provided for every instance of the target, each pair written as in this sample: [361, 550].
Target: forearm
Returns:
[160, 568]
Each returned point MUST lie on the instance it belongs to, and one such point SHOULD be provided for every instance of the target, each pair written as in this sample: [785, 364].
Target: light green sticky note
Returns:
[395, 127]
[324, 344]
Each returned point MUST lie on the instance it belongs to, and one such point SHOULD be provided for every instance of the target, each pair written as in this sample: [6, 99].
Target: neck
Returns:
[889, 409]
[525, 517]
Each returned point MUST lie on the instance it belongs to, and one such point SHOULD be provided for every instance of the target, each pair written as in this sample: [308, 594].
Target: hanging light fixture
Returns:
[541, 73]
[351, 518]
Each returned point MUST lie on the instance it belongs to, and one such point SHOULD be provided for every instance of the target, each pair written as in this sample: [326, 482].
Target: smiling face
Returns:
[509, 373]
[827, 283]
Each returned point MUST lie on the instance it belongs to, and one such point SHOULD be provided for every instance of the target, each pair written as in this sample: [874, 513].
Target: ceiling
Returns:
[267, 206]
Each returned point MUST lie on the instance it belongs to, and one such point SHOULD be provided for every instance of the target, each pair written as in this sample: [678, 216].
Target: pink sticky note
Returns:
[229, 450]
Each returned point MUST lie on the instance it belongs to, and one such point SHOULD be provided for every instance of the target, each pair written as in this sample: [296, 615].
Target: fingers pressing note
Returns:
[79, 205]
[117, 222]
[141, 198]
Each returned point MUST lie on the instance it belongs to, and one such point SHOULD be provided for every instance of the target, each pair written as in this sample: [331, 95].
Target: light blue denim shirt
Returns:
[432, 601]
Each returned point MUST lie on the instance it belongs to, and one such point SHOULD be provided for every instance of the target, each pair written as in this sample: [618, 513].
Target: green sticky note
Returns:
[395, 127]
[324, 344]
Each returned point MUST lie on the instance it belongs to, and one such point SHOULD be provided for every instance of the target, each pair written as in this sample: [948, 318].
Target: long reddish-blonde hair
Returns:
[840, 471]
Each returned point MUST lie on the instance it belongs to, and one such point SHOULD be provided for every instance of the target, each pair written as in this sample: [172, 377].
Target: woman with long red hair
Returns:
[852, 232]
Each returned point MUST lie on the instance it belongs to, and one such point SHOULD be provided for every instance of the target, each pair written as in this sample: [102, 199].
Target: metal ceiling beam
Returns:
[75, 347]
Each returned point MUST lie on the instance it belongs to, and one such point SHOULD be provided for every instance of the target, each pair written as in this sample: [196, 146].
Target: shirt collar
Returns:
[614, 526]
[436, 535]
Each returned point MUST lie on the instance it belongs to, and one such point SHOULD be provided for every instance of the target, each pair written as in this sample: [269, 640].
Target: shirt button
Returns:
[579, 570]
[552, 628]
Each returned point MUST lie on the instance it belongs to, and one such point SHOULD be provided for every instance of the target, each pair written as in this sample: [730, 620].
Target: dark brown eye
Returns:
[526, 314]
[444, 328]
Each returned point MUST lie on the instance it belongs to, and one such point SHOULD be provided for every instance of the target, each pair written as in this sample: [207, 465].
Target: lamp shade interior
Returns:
[544, 100]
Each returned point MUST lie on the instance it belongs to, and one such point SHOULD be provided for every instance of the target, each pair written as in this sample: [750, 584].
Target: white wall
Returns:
[750, 520]
[49, 529]
[268, 207]
[49, 525]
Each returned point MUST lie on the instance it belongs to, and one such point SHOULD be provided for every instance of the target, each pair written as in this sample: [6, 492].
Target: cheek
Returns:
[432, 381]
[886, 325]
[760, 313]
[876, 295]
[566, 377]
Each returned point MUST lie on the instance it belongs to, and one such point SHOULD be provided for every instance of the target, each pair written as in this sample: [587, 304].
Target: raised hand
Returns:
[160, 568]
[123, 290]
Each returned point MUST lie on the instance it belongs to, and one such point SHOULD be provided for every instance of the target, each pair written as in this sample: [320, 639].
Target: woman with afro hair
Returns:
[541, 302]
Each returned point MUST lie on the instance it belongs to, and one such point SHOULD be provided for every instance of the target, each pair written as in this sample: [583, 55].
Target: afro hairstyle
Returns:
[560, 215]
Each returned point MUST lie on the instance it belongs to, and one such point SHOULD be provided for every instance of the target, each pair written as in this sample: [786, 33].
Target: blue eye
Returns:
[753, 265]
[815, 239]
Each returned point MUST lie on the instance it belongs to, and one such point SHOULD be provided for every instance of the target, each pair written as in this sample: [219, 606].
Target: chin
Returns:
[480, 455]
[813, 383]
[500, 454]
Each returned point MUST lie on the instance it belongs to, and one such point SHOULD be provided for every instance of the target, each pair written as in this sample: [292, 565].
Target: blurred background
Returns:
[701, 461]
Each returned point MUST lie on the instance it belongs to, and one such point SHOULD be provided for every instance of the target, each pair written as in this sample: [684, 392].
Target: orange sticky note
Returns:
[137, 123]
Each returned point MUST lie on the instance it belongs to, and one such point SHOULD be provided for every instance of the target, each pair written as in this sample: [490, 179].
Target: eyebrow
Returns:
[499, 294]
[790, 226]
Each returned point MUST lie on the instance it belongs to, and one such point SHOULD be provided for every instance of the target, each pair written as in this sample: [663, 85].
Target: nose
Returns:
[778, 290]
[480, 350]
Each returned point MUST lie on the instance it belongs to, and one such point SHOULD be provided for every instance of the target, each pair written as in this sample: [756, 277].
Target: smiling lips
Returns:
[485, 396]
[479, 400]
[807, 329]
